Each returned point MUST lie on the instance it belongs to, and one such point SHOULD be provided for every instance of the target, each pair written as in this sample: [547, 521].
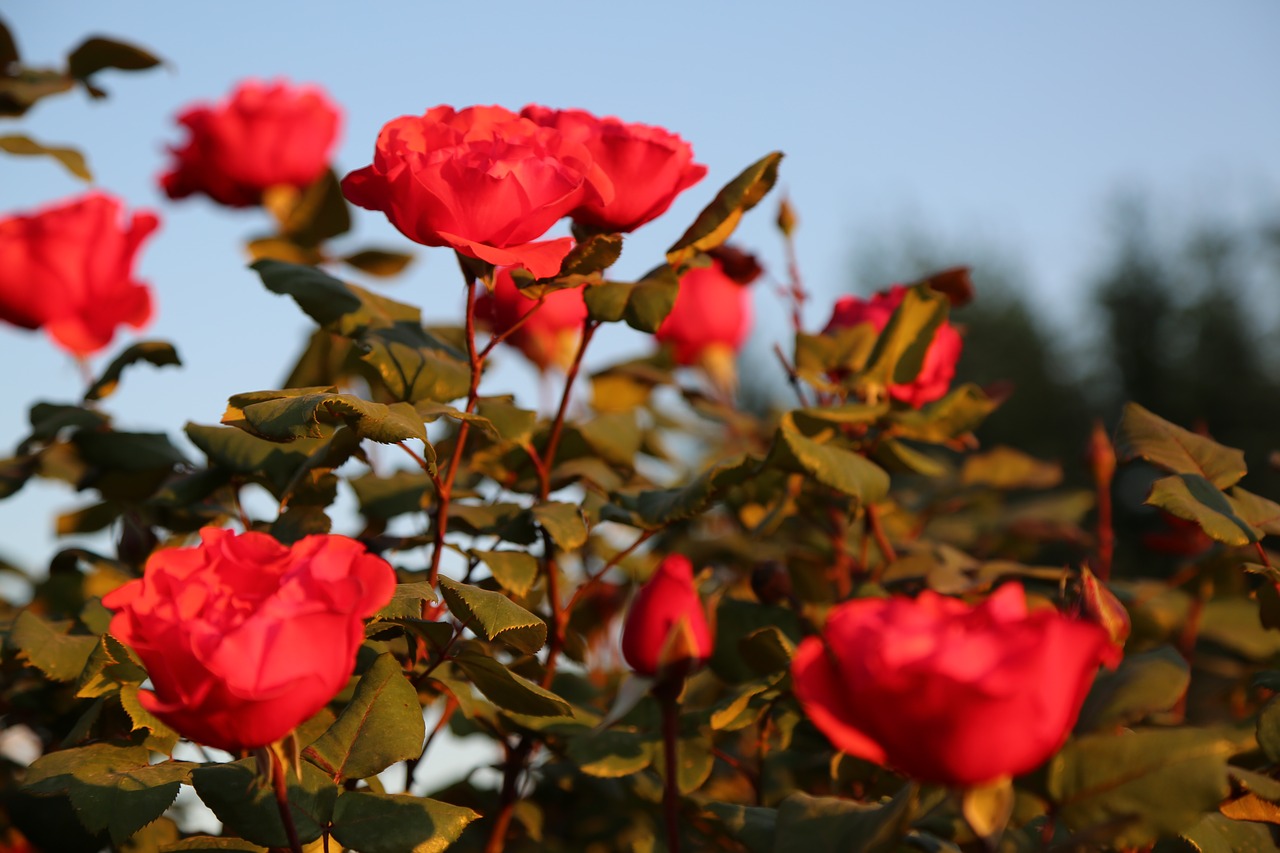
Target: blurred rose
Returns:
[264, 135]
[244, 638]
[649, 166]
[68, 268]
[483, 181]
[939, 367]
[665, 629]
[944, 692]
[550, 336]
[1178, 538]
[710, 320]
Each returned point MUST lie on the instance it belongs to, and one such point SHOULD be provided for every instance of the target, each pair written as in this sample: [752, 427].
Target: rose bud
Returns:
[648, 166]
[243, 638]
[665, 631]
[264, 135]
[709, 322]
[548, 338]
[939, 367]
[945, 692]
[482, 181]
[68, 269]
[1100, 606]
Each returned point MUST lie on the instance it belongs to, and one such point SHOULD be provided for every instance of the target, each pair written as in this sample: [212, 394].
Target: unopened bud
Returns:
[1100, 454]
[1100, 606]
[787, 220]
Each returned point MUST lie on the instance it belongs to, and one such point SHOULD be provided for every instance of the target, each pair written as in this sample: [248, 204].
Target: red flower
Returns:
[939, 368]
[665, 629]
[483, 181]
[550, 336]
[649, 166]
[711, 316]
[244, 638]
[263, 135]
[945, 692]
[68, 269]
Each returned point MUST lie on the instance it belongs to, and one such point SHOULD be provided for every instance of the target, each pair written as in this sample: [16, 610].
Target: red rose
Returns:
[711, 316]
[665, 628]
[244, 638]
[68, 269]
[649, 166]
[483, 181]
[550, 336]
[939, 368]
[263, 135]
[945, 692]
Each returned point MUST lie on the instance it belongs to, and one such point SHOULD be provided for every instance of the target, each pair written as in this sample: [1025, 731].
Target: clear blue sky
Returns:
[1006, 121]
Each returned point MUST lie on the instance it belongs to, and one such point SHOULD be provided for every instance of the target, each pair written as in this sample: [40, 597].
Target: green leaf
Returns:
[71, 159]
[512, 423]
[506, 689]
[959, 413]
[112, 788]
[8, 48]
[95, 54]
[1192, 497]
[1143, 684]
[583, 265]
[397, 823]
[494, 616]
[406, 602]
[564, 522]
[279, 467]
[643, 305]
[1152, 783]
[397, 493]
[807, 824]
[718, 220]
[1256, 511]
[414, 364]
[211, 844]
[1218, 834]
[755, 827]
[656, 508]
[767, 650]
[382, 724]
[49, 648]
[157, 353]
[1144, 435]
[379, 262]
[128, 451]
[828, 463]
[299, 412]
[612, 753]
[246, 805]
[901, 347]
[1009, 468]
[18, 93]
[515, 570]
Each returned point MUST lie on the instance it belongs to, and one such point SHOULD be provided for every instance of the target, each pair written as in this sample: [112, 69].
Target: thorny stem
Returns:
[512, 329]
[444, 488]
[796, 291]
[557, 426]
[613, 561]
[882, 541]
[281, 786]
[792, 377]
[514, 766]
[668, 695]
[555, 640]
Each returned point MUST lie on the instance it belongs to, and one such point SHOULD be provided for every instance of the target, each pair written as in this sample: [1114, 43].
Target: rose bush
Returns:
[263, 135]
[68, 269]
[939, 367]
[648, 166]
[946, 692]
[550, 336]
[482, 181]
[665, 628]
[244, 638]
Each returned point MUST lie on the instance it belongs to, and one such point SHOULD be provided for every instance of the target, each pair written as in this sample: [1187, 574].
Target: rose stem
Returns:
[668, 694]
[796, 291]
[281, 785]
[517, 757]
[507, 799]
[1102, 459]
[444, 488]
[882, 541]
